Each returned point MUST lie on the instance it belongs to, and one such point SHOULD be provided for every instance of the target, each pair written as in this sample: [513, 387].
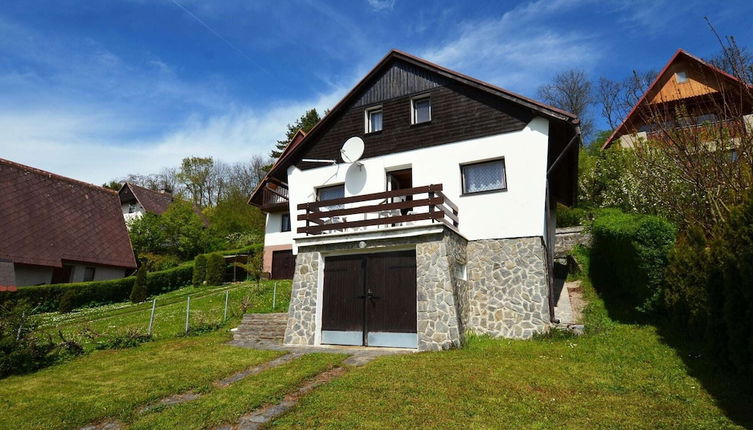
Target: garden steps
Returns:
[261, 328]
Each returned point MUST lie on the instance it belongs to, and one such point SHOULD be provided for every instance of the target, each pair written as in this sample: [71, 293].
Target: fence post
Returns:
[224, 315]
[151, 318]
[274, 296]
[188, 311]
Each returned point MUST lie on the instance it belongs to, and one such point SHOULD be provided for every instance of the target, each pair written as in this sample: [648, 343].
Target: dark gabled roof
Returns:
[541, 108]
[155, 202]
[46, 218]
[680, 54]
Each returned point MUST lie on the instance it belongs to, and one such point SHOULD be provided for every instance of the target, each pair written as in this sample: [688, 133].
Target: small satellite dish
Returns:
[352, 150]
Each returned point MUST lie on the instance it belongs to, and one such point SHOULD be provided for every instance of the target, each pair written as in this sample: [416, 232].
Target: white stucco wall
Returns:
[101, 273]
[272, 234]
[32, 275]
[133, 215]
[517, 212]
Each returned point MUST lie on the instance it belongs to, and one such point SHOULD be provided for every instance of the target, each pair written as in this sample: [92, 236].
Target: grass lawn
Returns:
[207, 304]
[226, 405]
[618, 376]
[112, 383]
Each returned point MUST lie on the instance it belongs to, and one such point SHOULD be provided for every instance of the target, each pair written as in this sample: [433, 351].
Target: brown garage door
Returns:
[283, 264]
[370, 299]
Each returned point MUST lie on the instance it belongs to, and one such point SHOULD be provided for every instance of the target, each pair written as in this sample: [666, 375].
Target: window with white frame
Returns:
[484, 177]
[421, 109]
[374, 118]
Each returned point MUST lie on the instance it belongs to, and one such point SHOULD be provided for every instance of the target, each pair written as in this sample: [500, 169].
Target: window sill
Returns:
[418, 124]
[372, 133]
[477, 193]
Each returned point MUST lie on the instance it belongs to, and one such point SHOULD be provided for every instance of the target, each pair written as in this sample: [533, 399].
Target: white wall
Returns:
[32, 275]
[101, 273]
[139, 212]
[273, 235]
[517, 212]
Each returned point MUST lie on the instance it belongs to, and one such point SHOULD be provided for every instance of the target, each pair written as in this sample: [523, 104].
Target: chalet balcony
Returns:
[706, 132]
[424, 205]
[275, 197]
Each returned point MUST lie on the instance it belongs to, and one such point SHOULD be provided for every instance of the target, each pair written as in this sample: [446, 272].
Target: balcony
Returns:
[274, 196]
[368, 212]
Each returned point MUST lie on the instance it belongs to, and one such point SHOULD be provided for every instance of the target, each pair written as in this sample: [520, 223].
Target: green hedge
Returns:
[629, 255]
[47, 297]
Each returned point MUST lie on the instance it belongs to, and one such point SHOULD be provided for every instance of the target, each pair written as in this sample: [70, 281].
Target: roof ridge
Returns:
[55, 175]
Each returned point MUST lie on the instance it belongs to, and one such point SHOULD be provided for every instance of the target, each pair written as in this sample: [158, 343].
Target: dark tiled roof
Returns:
[155, 202]
[46, 218]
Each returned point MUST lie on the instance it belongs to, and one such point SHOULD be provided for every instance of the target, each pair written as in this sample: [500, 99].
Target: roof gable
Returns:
[49, 218]
[702, 79]
[155, 202]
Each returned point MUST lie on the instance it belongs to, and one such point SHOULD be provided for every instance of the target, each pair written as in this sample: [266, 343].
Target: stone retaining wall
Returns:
[567, 237]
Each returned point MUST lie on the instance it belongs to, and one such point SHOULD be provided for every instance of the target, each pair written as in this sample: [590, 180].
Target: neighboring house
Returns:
[135, 201]
[56, 229]
[444, 224]
[686, 82]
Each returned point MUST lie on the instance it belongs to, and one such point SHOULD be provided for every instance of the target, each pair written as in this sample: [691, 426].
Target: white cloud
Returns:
[521, 49]
[381, 4]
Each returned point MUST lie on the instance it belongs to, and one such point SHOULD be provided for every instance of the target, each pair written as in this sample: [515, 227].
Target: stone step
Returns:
[261, 327]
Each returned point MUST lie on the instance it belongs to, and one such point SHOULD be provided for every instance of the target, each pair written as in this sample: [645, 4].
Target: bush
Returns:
[687, 275]
[629, 255]
[157, 262]
[215, 269]
[199, 269]
[20, 350]
[571, 217]
[67, 301]
[138, 292]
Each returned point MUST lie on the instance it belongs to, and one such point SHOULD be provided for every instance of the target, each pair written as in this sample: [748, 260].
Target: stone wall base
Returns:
[495, 287]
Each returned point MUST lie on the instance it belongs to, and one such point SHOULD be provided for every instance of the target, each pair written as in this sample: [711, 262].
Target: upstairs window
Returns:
[484, 177]
[89, 274]
[421, 109]
[374, 119]
[681, 77]
[131, 207]
[285, 222]
[330, 193]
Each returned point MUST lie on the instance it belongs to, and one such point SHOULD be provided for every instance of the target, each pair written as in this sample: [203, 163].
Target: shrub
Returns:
[67, 301]
[686, 283]
[20, 350]
[215, 269]
[629, 255]
[157, 262]
[571, 217]
[199, 269]
[138, 292]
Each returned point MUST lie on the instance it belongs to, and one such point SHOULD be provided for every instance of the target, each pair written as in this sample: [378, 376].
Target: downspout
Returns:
[550, 259]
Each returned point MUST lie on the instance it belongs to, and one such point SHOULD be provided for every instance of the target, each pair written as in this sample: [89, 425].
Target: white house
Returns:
[135, 201]
[420, 208]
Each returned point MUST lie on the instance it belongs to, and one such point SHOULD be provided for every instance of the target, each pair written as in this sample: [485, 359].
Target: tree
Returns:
[234, 216]
[138, 292]
[571, 91]
[147, 234]
[112, 185]
[185, 232]
[306, 122]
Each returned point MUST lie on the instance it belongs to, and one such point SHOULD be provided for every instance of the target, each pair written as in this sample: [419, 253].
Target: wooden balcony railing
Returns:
[274, 195]
[385, 209]
[706, 132]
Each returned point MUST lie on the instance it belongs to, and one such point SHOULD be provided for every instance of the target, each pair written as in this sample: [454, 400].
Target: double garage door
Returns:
[370, 299]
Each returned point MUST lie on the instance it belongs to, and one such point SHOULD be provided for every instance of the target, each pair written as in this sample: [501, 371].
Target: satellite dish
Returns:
[352, 150]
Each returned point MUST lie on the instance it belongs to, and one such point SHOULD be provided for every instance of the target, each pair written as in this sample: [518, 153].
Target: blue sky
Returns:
[102, 88]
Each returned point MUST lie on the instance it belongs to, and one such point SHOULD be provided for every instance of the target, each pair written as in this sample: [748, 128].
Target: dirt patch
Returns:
[577, 302]
[104, 425]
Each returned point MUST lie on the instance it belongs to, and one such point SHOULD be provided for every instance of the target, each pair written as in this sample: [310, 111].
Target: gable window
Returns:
[330, 193]
[484, 177]
[421, 109]
[131, 207]
[285, 222]
[89, 274]
[374, 119]
[681, 77]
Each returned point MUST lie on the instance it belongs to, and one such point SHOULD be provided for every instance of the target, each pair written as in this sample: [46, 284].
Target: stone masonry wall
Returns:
[567, 237]
[507, 287]
[438, 307]
[301, 327]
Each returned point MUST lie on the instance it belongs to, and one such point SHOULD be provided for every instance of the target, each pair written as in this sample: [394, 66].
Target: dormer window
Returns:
[374, 119]
[681, 77]
[421, 109]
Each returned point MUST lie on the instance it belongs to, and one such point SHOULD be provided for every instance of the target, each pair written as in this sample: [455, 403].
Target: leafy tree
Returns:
[306, 122]
[185, 232]
[138, 292]
[254, 267]
[233, 216]
[194, 174]
[113, 185]
[147, 234]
